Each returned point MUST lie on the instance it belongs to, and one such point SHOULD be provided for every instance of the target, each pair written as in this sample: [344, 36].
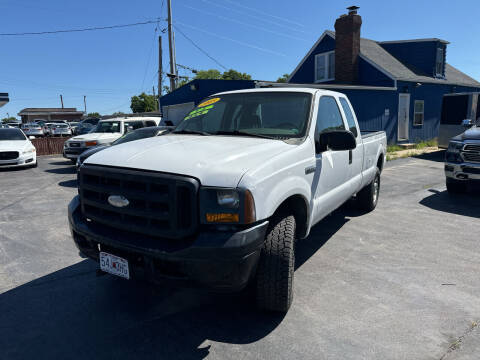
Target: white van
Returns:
[455, 109]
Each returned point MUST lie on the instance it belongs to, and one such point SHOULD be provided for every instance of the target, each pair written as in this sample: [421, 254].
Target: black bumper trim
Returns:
[222, 261]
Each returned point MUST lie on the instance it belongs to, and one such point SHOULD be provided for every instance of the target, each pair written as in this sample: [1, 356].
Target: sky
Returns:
[265, 39]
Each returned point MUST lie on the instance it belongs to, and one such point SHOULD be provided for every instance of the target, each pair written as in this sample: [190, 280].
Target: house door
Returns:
[403, 116]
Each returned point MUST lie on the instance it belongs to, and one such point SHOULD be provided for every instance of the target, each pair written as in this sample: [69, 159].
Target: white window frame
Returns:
[440, 61]
[327, 66]
[415, 112]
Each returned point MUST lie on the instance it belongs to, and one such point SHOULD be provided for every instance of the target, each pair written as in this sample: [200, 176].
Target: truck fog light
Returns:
[228, 198]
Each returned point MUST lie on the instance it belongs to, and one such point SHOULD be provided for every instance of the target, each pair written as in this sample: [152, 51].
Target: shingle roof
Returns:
[373, 51]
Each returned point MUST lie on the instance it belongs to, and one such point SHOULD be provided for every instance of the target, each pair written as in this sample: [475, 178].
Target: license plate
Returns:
[114, 265]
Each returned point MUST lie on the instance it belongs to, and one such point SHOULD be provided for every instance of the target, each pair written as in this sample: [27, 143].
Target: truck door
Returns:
[356, 155]
[331, 170]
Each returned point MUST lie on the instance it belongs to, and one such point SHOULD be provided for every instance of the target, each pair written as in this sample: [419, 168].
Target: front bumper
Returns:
[23, 160]
[74, 152]
[221, 261]
[462, 171]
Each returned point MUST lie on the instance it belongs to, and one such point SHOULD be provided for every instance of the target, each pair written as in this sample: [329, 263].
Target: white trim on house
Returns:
[326, 55]
[413, 40]
[325, 33]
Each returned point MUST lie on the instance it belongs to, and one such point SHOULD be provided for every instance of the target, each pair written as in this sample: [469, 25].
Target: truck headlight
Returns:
[453, 152]
[228, 198]
[226, 206]
[90, 143]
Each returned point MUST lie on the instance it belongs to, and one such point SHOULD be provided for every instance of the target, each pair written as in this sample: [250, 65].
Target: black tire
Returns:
[455, 186]
[274, 286]
[367, 198]
[35, 165]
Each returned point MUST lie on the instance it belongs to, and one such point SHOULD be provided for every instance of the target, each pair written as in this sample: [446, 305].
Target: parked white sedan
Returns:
[16, 149]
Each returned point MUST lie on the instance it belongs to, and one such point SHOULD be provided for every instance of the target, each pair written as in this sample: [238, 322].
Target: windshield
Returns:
[107, 127]
[136, 135]
[12, 134]
[265, 114]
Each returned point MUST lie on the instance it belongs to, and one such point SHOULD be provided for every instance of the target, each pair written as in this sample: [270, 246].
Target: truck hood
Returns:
[100, 137]
[471, 134]
[14, 145]
[214, 160]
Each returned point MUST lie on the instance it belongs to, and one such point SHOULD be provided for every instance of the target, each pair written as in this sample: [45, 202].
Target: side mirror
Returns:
[337, 140]
[467, 123]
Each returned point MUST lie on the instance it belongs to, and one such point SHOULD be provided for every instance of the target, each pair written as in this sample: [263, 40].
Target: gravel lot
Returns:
[399, 283]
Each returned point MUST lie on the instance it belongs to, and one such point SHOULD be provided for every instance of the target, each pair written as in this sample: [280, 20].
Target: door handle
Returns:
[350, 156]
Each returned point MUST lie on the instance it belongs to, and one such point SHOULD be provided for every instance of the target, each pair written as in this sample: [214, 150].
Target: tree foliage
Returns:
[283, 78]
[143, 103]
[94, 114]
[213, 74]
[9, 119]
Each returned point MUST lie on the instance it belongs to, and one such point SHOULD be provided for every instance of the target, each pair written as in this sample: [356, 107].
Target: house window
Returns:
[439, 62]
[325, 66]
[418, 113]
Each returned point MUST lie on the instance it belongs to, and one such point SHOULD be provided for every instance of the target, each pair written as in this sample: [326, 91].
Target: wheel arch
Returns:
[298, 206]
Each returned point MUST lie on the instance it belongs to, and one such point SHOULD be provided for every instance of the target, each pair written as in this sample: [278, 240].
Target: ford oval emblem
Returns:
[118, 201]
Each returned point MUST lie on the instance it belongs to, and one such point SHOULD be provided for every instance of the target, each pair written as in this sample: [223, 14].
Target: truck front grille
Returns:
[8, 155]
[471, 157]
[472, 147]
[160, 205]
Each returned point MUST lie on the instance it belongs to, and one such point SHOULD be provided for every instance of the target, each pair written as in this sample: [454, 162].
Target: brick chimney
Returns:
[347, 46]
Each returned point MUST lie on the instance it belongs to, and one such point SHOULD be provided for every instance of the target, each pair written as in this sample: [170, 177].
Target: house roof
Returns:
[37, 111]
[375, 54]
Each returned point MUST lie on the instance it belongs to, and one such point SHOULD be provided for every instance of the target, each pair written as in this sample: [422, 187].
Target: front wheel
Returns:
[274, 291]
[367, 198]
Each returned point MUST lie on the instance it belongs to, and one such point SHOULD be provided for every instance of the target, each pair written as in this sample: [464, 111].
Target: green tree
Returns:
[143, 103]
[94, 114]
[9, 119]
[118, 113]
[235, 75]
[283, 78]
[208, 74]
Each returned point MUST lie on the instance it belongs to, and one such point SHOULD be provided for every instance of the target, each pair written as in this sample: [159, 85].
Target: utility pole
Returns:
[171, 47]
[160, 71]
[85, 103]
[61, 100]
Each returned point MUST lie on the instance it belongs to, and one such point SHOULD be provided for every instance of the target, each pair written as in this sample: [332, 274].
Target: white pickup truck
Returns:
[105, 133]
[221, 200]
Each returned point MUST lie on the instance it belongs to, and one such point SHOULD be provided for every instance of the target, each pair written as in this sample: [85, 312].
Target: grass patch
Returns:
[393, 148]
[426, 143]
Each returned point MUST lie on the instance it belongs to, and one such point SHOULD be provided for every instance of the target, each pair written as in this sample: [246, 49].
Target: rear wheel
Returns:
[455, 186]
[367, 198]
[275, 270]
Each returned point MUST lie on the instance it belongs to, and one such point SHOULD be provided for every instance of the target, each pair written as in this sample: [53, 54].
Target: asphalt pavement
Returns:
[401, 282]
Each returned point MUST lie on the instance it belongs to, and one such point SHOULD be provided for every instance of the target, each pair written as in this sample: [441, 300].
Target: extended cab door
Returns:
[355, 166]
[332, 167]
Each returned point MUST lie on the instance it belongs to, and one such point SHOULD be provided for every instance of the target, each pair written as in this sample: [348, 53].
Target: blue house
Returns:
[396, 86]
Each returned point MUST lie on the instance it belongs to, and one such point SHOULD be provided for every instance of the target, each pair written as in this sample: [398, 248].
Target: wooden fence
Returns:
[49, 145]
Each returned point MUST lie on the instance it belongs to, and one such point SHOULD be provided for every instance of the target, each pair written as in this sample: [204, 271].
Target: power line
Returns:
[247, 24]
[198, 47]
[243, 43]
[80, 30]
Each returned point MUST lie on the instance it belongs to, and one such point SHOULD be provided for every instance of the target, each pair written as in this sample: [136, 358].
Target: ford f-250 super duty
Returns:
[222, 199]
